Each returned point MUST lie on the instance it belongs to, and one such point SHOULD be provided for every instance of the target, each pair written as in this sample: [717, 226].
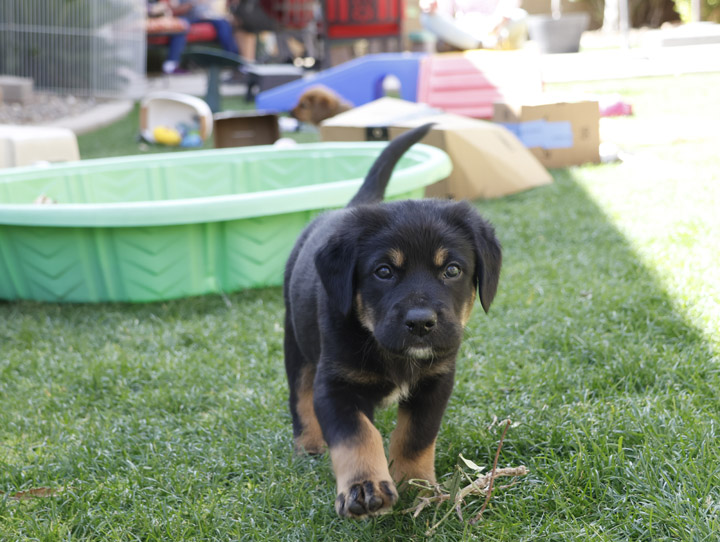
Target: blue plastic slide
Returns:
[359, 81]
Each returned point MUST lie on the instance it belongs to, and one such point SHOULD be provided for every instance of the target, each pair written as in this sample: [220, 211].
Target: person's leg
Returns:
[175, 49]
[247, 43]
[225, 36]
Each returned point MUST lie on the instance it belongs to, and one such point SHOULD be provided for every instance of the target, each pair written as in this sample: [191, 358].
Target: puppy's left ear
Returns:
[335, 264]
[488, 253]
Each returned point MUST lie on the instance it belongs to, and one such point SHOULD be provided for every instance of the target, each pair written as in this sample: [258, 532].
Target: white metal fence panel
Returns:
[83, 47]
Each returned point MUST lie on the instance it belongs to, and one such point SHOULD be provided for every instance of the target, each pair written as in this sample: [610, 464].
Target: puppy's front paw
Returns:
[364, 485]
[366, 498]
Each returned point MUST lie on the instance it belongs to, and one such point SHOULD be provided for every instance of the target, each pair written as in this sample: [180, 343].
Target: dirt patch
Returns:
[44, 107]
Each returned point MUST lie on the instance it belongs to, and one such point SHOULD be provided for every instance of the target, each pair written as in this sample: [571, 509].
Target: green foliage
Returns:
[709, 10]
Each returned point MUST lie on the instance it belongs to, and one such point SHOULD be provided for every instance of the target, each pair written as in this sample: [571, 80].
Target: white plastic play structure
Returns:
[170, 109]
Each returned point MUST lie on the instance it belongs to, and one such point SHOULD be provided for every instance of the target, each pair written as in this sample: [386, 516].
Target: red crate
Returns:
[291, 14]
[355, 19]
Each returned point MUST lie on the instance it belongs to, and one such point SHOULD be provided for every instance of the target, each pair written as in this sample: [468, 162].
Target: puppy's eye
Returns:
[383, 272]
[452, 271]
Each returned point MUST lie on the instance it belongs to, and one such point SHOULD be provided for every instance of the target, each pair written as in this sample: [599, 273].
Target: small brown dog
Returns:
[319, 103]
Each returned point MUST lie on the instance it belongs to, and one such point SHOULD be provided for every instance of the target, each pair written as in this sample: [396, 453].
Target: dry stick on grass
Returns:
[36, 493]
[492, 476]
[483, 485]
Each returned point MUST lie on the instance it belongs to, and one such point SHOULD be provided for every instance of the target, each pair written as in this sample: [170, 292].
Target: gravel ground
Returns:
[42, 107]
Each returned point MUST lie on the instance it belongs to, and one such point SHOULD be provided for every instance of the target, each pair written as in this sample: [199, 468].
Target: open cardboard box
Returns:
[488, 160]
[559, 131]
[243, 128]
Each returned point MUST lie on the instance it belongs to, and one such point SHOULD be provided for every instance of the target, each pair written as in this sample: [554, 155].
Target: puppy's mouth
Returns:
[420, 352]
[408, 348]
[417, 350]
[399, 344]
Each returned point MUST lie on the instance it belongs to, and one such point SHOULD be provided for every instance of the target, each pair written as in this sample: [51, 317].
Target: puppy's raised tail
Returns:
[373, 188]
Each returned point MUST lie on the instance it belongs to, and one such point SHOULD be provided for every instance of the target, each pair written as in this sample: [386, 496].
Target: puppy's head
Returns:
[317, 104]
[410, 271]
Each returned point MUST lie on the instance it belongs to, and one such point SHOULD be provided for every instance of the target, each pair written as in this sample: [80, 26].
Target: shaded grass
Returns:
[169, 420]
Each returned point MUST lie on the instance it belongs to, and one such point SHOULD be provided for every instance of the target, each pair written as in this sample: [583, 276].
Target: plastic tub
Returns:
[148, 228]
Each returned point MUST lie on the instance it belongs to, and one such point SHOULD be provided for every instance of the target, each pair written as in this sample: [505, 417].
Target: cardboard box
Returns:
[559, 133]
[240, 129]
[488, 161]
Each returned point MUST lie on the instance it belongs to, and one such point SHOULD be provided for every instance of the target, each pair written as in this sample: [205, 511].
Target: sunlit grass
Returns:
[665, 195]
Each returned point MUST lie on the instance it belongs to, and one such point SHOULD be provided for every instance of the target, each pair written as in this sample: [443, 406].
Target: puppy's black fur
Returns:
[377, 296]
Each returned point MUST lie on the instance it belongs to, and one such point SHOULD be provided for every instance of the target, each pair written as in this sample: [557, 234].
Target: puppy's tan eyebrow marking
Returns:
[396, 256]
[440, 256]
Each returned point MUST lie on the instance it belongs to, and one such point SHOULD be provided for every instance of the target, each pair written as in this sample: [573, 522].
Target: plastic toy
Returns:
[191, 140]
[462, 83]
[179, 112]
[166, 136]
[359, 81]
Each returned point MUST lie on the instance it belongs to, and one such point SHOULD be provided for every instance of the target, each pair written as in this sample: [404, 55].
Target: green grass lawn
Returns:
[121, 138]
[168, 421]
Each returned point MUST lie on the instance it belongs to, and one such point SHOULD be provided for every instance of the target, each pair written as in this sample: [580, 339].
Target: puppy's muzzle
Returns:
[420, 321]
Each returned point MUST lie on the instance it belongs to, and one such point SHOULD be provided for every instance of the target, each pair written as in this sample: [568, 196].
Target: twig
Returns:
[35, 493]
[483, 484]
[492, 476]
[477, 486]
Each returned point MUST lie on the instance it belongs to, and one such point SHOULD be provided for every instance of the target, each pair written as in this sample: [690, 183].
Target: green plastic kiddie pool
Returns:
[154, 227]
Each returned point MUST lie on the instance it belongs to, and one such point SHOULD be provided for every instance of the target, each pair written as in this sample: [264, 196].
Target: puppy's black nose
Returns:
[420, 321]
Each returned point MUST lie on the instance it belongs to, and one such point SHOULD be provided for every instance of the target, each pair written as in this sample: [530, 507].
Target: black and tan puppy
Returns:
[377, 296]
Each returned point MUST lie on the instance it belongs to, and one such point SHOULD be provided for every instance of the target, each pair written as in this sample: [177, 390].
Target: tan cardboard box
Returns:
[559, 133]
[488, 161]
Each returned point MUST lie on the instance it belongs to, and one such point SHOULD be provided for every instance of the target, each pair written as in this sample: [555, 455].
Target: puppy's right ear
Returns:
[335, 264]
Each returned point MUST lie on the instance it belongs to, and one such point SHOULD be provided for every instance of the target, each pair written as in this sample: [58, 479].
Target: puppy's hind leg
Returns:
[306, 429]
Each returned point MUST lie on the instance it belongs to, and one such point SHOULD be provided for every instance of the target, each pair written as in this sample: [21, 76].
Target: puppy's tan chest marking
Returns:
[397, 395]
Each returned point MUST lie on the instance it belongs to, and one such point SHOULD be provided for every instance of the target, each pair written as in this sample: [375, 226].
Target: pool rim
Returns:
[434, 165]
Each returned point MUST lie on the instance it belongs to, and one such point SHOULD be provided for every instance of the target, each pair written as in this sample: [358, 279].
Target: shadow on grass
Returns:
[169, 419]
